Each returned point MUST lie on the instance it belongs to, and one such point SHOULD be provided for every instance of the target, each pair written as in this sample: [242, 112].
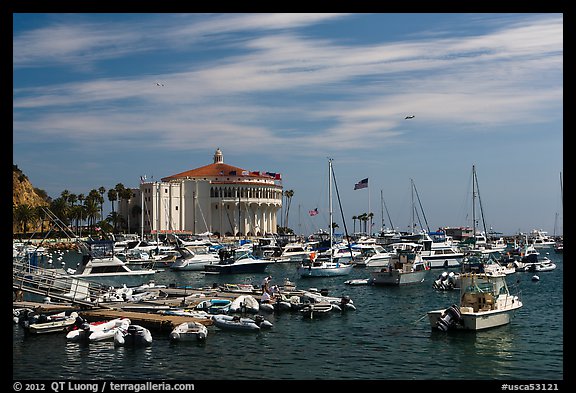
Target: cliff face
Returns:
[23, 192]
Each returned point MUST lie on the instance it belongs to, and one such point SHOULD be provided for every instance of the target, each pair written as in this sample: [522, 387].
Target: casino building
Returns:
[217, 198]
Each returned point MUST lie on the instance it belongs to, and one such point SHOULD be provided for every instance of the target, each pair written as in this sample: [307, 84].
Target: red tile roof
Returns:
[213, 170]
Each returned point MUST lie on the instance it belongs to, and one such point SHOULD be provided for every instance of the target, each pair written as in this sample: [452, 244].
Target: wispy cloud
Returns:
[472, 79]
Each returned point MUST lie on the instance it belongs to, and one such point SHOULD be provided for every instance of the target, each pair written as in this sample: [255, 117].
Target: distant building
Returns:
[459, 233]
[217, 198]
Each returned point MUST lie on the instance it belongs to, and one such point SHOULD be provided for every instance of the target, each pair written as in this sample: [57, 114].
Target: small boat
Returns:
[406, 267]
[214, 306]
[359, 281]
[485, 302]
[188, 331]
[237, 261]
[532, 261]
[230, 322]
[316, 309]
[194, 258]
[133, 335]
[41, 324]
[185, 312]
[323, 266]
[244, 304]
[98, 331]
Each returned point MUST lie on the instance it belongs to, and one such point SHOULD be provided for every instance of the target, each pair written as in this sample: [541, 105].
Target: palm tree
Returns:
[126, 195]
[23, 214]
[288, 194]
[354, 218]
[81, 198]
[102, 191]
[60, 208]
[112, 197]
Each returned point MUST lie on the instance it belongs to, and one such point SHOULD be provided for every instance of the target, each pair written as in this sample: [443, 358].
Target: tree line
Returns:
[78, 211]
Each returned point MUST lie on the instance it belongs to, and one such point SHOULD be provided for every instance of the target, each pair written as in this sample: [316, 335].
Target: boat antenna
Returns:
[342, 213]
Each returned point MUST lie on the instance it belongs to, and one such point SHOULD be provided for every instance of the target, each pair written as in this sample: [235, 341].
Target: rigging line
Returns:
[342, 213]
[421, 208]
[480, 202]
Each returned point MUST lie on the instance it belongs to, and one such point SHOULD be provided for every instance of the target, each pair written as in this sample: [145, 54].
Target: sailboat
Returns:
[479, 240]
[325, 265]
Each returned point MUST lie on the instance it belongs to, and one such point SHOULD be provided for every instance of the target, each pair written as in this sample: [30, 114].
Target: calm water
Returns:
[388, 337]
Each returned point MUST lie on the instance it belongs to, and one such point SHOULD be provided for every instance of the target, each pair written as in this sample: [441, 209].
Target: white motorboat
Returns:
[540, 239]
[405, 267]
[237, 261]
[294, 252]
[234, 322]
[99, 264]
[485, 302]
[372, 255]
[133, 335]
[532, 261]
[188, 331]
[194, 258]
[98, 331]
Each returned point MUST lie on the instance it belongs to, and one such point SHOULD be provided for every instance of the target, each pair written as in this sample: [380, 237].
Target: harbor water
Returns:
[388, 337]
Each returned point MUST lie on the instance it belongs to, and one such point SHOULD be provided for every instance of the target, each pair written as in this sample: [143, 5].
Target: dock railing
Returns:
[55, 284]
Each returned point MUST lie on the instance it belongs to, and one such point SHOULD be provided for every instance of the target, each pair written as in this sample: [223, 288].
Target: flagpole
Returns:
[369, 229]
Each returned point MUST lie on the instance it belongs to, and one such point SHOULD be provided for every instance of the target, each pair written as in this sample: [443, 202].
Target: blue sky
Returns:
[283, 92]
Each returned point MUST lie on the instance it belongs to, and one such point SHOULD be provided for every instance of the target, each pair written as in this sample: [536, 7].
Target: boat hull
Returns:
[398, 277]
[254, 267]
[313, 271]
[117, 280]
[476, 321]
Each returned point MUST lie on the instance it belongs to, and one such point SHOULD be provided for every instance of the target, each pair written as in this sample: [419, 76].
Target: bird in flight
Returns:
[159, 84]
[409, 117]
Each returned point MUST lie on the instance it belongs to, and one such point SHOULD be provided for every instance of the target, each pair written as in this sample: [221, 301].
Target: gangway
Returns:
[56, 284]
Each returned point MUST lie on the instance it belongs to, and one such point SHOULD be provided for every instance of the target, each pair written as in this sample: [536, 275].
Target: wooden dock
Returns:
[154, 322]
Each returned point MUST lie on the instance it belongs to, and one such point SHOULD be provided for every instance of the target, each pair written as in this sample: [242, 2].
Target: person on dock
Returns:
[266, 284]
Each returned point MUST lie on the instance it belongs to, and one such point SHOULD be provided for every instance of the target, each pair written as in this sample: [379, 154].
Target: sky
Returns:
[102, 99]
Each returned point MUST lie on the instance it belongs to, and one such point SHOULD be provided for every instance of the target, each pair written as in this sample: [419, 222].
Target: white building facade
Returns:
[216, 198]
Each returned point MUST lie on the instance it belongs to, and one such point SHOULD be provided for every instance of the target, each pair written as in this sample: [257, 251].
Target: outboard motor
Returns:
[440, 282]
[449, 318]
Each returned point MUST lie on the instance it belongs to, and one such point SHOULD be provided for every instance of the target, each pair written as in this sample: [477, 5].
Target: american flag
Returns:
[361, 184]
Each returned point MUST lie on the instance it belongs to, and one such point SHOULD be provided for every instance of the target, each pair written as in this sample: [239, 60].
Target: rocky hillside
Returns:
[22, 190]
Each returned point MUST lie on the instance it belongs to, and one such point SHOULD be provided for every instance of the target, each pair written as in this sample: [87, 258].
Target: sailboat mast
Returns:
[330, 203]
[473, 201]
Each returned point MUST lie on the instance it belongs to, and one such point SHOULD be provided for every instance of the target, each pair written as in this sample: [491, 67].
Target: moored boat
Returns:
[234, 322]
[97, 331]
[133, 335]
[485, 302]
[188, 331]
[42, 324]
[406, 267]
